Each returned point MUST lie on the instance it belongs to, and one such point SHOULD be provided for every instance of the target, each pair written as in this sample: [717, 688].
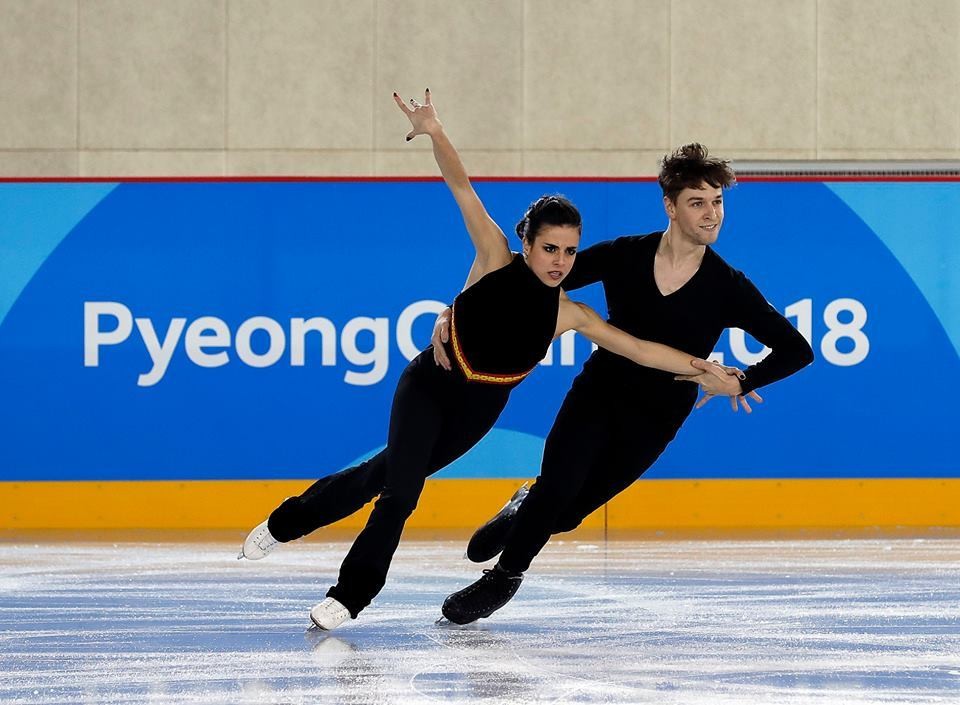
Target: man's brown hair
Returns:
[690, 166]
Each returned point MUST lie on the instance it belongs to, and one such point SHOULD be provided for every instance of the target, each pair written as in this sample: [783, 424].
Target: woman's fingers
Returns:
[426, 97]
[734, 372]
[399, 101]
[717, 371]
[440, 358]
[408, 112]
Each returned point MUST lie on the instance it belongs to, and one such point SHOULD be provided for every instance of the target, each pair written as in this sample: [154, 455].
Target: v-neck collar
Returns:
[653, 270]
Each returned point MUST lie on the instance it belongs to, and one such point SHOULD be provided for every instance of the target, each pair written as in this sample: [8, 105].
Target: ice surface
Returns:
[657, 621]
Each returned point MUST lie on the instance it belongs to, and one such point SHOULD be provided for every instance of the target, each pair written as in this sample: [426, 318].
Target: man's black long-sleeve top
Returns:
[690, 319]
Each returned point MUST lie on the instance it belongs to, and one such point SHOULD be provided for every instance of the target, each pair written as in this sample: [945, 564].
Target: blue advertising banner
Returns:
[241, 330]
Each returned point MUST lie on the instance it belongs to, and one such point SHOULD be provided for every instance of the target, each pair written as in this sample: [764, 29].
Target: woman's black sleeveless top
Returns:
[503, 325]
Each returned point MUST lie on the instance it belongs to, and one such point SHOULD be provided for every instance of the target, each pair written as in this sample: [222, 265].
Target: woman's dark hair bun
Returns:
[552, 209]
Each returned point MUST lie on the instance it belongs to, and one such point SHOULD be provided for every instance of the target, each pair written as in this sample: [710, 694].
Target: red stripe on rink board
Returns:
[431, 179]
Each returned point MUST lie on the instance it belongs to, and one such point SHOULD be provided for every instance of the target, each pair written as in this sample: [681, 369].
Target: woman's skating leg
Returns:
[430, 426]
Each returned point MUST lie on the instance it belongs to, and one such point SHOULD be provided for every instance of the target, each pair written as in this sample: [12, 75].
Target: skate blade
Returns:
[469, 626]
[240, 557]
[314, 625]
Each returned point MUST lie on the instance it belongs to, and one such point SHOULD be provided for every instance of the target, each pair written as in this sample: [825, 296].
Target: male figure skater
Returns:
[618, 417]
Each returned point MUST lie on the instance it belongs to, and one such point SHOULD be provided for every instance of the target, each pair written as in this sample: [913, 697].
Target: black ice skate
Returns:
[483, 598]
[491, 538]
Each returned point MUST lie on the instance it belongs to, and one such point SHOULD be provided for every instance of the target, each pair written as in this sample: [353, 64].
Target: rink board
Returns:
[290, 311]
[465, 504]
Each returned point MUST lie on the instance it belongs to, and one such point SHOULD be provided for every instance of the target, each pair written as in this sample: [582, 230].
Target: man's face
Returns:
[698, 213]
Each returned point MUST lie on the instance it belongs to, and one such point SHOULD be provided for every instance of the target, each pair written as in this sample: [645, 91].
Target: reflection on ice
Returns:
[816, 621]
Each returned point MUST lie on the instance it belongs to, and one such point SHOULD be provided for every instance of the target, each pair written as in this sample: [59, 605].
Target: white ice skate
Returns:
[329, 614]
[258, 543]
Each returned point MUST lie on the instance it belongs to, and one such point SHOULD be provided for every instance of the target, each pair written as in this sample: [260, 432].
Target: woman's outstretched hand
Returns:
[718, 380]
[422, 117]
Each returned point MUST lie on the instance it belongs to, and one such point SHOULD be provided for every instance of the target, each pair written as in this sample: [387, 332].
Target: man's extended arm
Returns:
[789, 350]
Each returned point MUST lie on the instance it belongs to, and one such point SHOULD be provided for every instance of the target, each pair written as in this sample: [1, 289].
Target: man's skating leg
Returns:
[575, 445]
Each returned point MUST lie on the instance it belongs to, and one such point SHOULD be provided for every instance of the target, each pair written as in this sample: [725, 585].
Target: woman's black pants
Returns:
[436, 417]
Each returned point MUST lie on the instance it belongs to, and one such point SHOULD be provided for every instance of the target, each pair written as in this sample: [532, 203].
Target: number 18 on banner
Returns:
[844, 344]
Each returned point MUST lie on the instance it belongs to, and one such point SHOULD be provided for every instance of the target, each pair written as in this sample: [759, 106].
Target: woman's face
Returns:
[550, 256]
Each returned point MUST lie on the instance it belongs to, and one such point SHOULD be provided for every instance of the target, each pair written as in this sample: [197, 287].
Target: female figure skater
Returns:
[502, 324]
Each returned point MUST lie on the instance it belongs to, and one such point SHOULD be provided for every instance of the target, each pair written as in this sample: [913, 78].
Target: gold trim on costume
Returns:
[468, 371]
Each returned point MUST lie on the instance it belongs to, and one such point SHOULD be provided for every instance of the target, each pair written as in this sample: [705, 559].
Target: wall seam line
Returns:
[374, 149]
[76, 93]
[816, 81]
[670, 81]
[523, 88]
[226, 88]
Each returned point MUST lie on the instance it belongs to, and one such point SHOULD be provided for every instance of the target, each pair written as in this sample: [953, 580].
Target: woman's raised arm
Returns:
[492, 249]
